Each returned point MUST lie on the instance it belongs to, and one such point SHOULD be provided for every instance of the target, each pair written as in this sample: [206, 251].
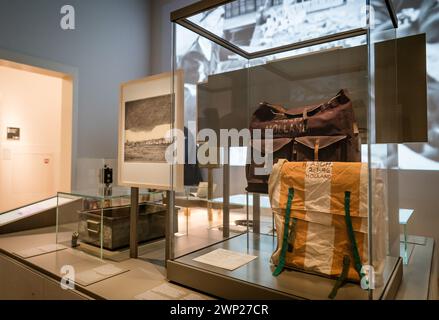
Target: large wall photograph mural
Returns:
[256, 24]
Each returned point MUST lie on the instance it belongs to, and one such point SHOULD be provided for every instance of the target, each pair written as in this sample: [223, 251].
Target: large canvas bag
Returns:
[321, 217]
[322, 132]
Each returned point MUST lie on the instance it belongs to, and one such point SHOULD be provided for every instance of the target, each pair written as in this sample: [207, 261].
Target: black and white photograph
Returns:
[13, 133]
[147, 122]
[149, 109]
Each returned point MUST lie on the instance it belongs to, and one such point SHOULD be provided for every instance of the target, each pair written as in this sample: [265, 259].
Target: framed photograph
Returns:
[13, 133]
[145, 119]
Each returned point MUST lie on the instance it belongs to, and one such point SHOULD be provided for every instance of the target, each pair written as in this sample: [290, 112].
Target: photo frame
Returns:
[12, 133]
[147, 107]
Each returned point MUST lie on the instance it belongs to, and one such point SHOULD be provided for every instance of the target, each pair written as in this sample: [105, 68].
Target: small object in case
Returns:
[107, 180]
[107, 175]
[116, 225]
[75, 237]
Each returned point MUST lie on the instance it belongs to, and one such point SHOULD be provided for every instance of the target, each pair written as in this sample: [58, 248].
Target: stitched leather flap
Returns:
[277, 144]
[298, 112]
[323, 141]
[267, 111]
[340, 98]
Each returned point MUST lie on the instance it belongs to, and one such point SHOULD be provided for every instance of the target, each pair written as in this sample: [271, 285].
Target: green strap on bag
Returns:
[292, 236]
[283, 252]
[341, 280]
[288, 245]
[357, 260]
[354, 248]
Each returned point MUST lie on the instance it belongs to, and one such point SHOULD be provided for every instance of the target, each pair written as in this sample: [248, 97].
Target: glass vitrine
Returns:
[284, 60]
[99, 224]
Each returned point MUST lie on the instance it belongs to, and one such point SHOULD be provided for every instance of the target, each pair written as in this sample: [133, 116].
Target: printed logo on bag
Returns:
[319, 170]
[68, 277]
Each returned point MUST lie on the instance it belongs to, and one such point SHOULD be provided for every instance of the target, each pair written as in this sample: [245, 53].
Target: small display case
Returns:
[102, 223]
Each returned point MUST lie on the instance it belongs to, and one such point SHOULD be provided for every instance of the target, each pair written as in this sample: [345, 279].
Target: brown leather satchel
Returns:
[324, 132]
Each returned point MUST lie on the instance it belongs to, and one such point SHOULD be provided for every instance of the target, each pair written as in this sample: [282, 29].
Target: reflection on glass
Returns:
[414, 17]
[255, 25]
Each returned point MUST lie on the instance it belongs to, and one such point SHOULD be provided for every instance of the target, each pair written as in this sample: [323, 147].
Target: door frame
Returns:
[69, 112]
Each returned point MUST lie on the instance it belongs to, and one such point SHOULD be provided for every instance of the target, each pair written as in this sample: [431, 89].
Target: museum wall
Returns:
[161, 32]
[30, 166]
[110, 45]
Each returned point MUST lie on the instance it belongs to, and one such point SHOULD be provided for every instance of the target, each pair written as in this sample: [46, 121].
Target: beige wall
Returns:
[32, 102]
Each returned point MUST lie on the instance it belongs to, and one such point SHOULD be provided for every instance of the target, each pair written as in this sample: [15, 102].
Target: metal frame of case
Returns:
[181, 17]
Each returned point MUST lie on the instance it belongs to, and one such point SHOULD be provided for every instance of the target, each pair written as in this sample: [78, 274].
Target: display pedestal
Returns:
[255, 280]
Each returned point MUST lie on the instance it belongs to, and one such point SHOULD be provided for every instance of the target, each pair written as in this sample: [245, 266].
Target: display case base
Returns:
[255, 280]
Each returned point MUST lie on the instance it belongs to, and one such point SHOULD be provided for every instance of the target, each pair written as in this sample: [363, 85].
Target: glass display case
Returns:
[40, 214]
[100, 222]
[319, 80]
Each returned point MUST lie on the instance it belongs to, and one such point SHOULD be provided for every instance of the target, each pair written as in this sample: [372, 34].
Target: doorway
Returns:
[35, 134]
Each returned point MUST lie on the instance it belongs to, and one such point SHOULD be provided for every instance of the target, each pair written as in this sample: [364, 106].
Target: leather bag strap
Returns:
[316, 150]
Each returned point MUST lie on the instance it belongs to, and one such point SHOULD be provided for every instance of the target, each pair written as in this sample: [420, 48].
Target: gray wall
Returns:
[161, 35]
[111, 44]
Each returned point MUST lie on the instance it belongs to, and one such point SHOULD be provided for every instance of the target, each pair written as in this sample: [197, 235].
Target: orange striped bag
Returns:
[321, 211]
